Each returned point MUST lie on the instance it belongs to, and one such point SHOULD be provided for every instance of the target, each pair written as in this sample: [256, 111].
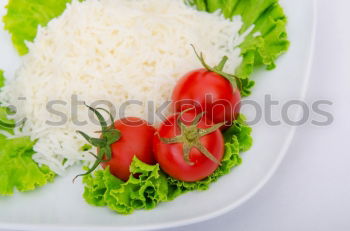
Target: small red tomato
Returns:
[188, 147]
[209, 92]
[135, 140]
[119, 143]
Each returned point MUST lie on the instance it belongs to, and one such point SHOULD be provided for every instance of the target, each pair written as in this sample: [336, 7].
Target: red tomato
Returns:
[209, 92]
[136, 140]
[171, 155]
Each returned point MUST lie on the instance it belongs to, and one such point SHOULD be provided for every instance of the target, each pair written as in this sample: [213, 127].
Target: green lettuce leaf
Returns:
[242, 132]
[144, 192]
[5, 123]
[245, 86]
[23, 18]
[2, 78]
[264, 49]
[152, 185]
[17, 168]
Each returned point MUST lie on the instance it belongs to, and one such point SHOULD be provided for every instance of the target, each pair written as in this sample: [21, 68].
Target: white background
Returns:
[311, 189]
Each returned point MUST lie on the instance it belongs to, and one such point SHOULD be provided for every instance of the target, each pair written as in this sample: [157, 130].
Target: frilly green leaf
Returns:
[2, 78]
[242, 131]
[6, 124]
[23, 18]
[17, 168]
[146, 188]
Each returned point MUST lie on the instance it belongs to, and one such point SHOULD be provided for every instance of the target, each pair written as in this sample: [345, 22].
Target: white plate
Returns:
[60, 206]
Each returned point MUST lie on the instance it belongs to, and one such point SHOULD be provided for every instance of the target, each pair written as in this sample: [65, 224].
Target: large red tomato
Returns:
[188, 147]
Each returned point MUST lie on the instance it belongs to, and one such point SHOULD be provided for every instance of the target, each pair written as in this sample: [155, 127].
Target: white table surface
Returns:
[311, 189]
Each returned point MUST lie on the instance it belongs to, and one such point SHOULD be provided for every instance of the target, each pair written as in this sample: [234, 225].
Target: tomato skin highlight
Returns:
[171, 156]
[136, 140]
[209, 92]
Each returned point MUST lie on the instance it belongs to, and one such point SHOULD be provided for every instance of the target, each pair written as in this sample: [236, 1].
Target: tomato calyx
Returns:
[218, 69]
[109, 135]
[190, 137]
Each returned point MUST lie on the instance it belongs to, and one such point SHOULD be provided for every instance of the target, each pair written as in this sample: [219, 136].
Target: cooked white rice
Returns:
[113, 50]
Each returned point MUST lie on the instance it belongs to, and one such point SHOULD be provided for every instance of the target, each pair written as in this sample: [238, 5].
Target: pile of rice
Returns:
[111, 50]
